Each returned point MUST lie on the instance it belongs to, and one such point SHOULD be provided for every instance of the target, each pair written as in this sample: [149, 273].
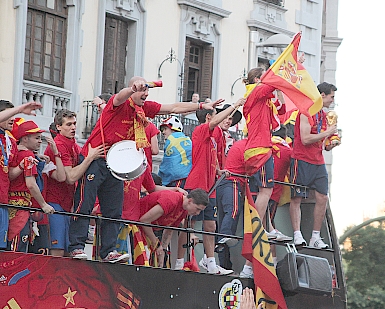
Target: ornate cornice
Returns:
[256, 24]
[205, 7]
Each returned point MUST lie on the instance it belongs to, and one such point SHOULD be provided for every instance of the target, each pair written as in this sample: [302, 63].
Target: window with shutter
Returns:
[114, 61]
[198, 69]
[44, 59]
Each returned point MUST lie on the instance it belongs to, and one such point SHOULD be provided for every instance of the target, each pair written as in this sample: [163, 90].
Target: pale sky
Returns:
[358, 170]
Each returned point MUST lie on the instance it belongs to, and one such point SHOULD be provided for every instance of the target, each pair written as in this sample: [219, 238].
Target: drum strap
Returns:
[102, 135]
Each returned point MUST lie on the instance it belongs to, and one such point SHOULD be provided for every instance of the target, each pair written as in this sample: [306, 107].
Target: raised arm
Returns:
[184, 107]
[218, 118]
[136, 85]
[26, 108]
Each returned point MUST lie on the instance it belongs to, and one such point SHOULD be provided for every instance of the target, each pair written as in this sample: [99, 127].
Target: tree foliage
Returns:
[365, 275]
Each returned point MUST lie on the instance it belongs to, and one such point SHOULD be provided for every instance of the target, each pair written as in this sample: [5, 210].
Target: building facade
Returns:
[63, 53]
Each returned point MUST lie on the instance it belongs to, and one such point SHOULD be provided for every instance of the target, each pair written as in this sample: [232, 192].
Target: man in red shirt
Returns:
[123, 118]
[60, 194]
[24, 187]
[307, 167]
[7, 156]
[202, 175]
[169, 208]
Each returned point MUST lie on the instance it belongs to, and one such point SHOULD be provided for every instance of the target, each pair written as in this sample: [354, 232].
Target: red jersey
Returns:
[171, 203]
[221, 145]
[117, 123]
[62, 193]
[235, 161]
[204, 159]
[151, 130]
[281, 165]
[310, 153]
[259, 117]
[8, 154]
[131, 201]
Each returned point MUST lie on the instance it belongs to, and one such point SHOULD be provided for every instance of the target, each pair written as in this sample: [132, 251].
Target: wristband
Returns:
[157, 245]
[58, 155]
[201, 105]
[22, 168]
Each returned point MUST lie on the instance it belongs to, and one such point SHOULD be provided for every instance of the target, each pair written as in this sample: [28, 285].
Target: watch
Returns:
[57, 155]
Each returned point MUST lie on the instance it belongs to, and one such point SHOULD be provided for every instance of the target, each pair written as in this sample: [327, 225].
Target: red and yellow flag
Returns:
[256, 249]
[290, 76]
[140, 255]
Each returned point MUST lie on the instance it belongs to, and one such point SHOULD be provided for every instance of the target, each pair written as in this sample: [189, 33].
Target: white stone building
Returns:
[63, 53]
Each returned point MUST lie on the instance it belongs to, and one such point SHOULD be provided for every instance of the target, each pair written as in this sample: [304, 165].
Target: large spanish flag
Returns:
[290, 76]
[256, 249]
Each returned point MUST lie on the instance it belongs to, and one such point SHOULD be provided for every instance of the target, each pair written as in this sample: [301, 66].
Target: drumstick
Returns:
[235, 109]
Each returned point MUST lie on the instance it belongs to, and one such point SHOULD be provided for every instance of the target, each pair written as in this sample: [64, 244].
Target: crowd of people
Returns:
[199, 179]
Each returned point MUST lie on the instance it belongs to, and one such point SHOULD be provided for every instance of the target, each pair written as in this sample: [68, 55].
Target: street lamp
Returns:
[171, 57]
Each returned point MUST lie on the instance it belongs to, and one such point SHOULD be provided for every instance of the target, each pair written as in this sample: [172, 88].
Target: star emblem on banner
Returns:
[69, 296]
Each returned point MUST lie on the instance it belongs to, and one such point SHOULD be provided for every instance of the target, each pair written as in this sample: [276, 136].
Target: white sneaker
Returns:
[246, 275]
[202, 263]
[218, 270]
[179, 265]
[280, 236]
[231, 242]
[318, 243]
[299, 241]
[78, 254]
[270, 235]
[115, 256]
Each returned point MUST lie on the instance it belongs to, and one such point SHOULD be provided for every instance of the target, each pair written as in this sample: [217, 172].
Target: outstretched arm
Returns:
[184, 107]
[26, 108]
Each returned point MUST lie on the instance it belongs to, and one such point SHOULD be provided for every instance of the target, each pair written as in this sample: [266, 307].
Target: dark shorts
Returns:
[209, 214]
[264, 178]
[177, 183]
[310, 175]
[41, 243]
[59, 229]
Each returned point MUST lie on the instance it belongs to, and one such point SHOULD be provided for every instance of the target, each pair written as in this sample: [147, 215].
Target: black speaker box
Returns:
[300, 273]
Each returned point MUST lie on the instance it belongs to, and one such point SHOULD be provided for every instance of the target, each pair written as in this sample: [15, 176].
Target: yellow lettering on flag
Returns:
[256, 249]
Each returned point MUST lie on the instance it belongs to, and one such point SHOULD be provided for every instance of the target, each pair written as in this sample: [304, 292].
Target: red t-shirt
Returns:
[151, 130]
[204, 159]
[310, 153]
[117, 123]
[18, 190]
[171, 203]
[131, 201]
[281, 167]
[62, 193]
[221, 144]
[258, 115]
[9, 154]
[235, 160]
